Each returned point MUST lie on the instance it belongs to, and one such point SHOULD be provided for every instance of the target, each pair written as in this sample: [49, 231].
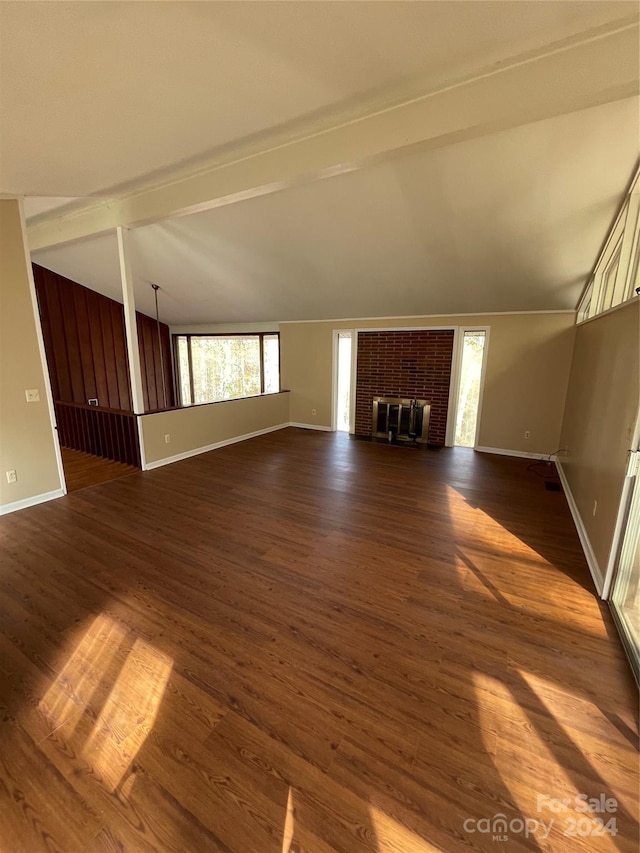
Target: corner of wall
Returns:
[29, 443]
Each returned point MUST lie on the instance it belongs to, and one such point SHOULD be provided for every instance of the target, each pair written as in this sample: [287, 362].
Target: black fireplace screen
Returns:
[400, 419]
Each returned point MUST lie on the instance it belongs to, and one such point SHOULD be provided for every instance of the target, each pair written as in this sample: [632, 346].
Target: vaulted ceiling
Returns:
[499, 214]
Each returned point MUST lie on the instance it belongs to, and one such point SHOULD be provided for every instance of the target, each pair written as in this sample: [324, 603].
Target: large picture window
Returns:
[210, 368]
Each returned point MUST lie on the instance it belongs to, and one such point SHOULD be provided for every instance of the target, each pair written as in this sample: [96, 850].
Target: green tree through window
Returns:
[225, 367]
[469, 394]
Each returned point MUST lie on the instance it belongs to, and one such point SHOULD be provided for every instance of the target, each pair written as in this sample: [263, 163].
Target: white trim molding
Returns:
[5, 509]
[478, 314]
[149, 466]
[335, 347]
[589, 554]
[336, 334]
[454, 387]
[310, 426]
[520, 454]
[143, 458]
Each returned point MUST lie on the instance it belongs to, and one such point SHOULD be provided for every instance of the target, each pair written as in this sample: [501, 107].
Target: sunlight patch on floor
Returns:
[393, 837]
[570, 707]
[289, 824]
[604, 762]
[493, 562]
[475, 526]
[128, 714]
[83, 671]
[539, 769]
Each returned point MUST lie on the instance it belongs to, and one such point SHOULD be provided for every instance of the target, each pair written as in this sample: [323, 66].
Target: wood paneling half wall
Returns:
[86, 349]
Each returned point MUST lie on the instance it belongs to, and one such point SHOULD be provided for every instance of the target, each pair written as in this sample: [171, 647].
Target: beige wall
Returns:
[26, 436]
[224, 328]
[201, 426]
[602, 405]
[527, 372]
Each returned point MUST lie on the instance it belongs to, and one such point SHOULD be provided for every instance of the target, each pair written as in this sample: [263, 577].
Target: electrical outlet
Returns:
[595, 507]
[313, 411]
[32, 395]
[12, 477]
[167, 438]
[527, 433]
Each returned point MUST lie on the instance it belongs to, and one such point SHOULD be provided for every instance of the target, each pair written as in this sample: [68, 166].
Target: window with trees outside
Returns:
[210, 368]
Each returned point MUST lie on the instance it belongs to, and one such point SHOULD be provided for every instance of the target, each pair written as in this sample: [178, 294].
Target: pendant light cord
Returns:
[156, 288]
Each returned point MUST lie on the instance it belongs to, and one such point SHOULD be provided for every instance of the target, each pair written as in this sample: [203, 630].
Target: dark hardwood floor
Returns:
[308, 643]
[84, 469]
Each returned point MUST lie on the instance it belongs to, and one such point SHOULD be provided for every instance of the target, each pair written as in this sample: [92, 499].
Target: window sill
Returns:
[214, 402]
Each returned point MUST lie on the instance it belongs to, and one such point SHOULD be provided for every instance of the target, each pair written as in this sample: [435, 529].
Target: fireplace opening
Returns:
[397, 419]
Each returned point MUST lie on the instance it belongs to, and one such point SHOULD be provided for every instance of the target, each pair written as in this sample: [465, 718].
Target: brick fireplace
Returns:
[413, 364]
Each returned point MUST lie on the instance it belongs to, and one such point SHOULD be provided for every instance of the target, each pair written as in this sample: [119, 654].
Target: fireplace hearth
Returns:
[400, 419]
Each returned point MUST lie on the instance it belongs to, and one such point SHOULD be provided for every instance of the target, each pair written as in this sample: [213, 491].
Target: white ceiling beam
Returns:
[570, 78]
[130, 323]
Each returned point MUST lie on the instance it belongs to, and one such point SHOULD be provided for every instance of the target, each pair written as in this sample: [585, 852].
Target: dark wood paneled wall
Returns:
[84, 341]
[151, 364]
[86, 349]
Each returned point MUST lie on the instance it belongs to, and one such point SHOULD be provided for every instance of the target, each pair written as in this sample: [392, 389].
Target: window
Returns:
[584, 309]
[224, 367]
[271, 362]
[473, 349]
[608, 284]
[614, 280]
[183, 361]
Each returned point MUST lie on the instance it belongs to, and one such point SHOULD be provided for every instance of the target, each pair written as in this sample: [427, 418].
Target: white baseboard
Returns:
[149, 466]
[34, 501]
[310, 426]
[590, 557]
[523, 454]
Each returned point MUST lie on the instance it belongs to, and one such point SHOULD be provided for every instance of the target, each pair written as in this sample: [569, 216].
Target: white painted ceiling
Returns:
[101, 95]
[511, 221]
[100, 98]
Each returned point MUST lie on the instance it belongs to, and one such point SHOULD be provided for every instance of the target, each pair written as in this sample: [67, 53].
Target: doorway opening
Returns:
[470, 388]
[343, 391]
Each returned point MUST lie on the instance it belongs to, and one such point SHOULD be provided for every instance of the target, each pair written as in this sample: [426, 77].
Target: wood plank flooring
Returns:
[84, 469]
[309, 643]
